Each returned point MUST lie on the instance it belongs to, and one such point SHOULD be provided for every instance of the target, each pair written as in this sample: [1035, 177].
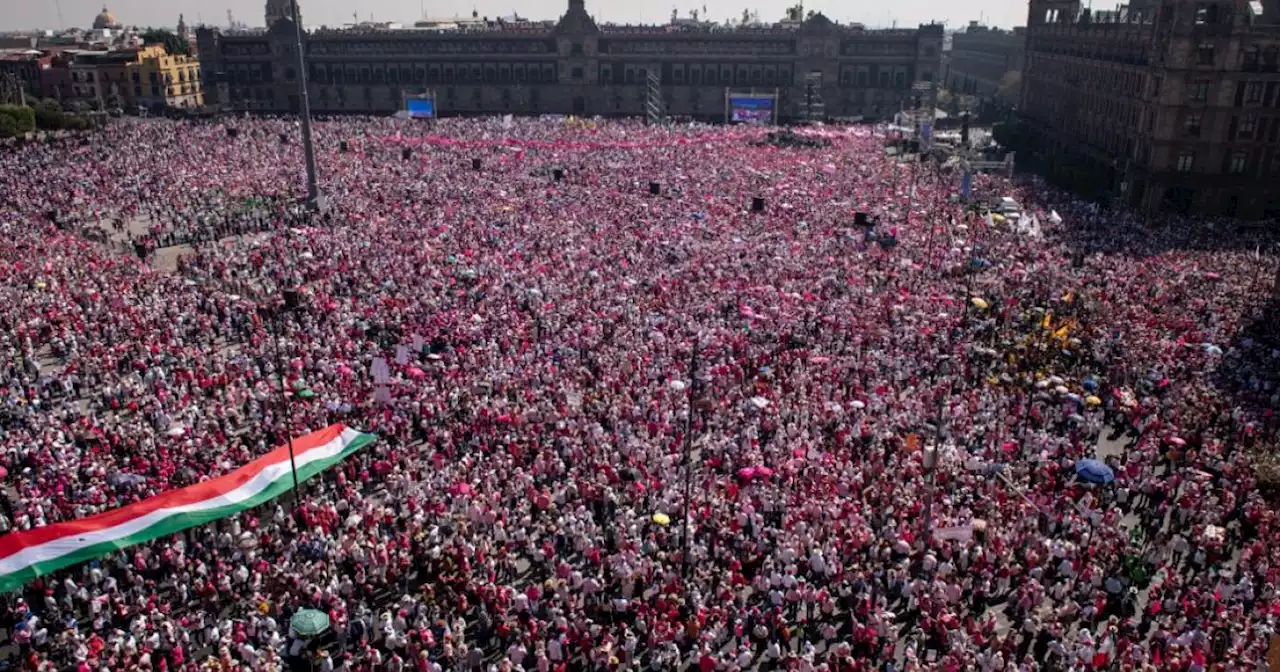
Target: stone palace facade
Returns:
[816, 68]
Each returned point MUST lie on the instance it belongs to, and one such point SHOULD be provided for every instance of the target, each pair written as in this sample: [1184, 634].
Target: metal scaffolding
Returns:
[812, 107]
[655, 110]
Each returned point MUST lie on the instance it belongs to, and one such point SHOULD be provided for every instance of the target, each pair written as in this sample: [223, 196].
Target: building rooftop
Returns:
[520, 26]
[20, 54]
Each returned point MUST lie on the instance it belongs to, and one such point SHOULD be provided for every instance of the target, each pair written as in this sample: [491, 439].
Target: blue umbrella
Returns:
[1094, 471]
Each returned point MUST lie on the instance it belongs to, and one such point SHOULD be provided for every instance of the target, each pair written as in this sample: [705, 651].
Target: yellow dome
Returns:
[105, 20]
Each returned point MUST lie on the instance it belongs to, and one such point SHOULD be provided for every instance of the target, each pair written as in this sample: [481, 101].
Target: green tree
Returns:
[72, 123]
[49, 115]
[172, 43]
[8, 127]
[19, 120]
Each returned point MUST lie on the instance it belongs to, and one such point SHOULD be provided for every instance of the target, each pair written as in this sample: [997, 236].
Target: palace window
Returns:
[1191, 125]
[1239, 160]
[1253, 92]
[1248, 123]
[1200, 90]
[1186, 161]
[1205, 53]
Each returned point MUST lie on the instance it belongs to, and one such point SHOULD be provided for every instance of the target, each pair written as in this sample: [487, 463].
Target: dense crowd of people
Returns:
[627, 431]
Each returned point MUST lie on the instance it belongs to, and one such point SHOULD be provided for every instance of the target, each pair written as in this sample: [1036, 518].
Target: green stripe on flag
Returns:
[181, 521]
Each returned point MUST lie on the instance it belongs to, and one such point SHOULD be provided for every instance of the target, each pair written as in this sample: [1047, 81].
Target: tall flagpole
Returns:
[314, 200]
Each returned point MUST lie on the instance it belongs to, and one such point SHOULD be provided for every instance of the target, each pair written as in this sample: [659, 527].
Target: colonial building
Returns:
[575, 66]
[147, 77]
[984, 59]
[20, 72]
[1169, 105]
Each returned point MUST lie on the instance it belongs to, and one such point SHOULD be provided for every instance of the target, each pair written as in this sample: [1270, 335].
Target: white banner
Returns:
[957, 533]
[381, 372]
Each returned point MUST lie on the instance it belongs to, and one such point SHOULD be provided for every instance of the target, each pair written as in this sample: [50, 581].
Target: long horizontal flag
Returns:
[43, 550]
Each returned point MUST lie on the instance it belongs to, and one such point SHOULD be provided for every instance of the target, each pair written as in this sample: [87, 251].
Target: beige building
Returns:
[145, 77]
[816, 68]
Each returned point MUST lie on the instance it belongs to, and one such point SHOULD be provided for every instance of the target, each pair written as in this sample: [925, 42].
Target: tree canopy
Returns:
[172, 43]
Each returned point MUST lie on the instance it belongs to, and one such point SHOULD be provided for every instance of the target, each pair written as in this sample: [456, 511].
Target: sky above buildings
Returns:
[28, 14]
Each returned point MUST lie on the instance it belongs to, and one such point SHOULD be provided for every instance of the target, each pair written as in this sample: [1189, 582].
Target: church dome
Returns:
[105, 20]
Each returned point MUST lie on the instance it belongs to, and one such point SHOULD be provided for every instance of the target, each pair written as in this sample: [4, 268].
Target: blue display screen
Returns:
[751, 110]
[422, 108]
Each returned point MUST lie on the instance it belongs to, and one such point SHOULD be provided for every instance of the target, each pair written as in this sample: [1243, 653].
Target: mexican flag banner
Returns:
[31, 553]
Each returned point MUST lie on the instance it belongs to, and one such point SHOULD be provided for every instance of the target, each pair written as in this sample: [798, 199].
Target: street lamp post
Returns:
[930, 455]
[930, 459]
[314, 199]
[688, 466]
[277, 316]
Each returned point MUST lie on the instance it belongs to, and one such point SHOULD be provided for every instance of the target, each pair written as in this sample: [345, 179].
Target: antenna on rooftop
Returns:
[58, 6]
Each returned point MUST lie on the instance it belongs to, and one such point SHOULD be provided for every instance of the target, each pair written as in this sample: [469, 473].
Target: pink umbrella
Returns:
[747, 473]
[415, 373]
[764, 472]
[462, 489]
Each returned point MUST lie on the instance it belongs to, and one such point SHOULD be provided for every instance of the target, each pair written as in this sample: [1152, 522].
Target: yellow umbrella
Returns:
[1092, 400]
[997, 217]
[662, 519]
[980, 302]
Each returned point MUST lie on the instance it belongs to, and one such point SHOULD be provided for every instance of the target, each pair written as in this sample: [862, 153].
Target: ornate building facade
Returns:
[574, 66]
[1168, 105]
[982, 59]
